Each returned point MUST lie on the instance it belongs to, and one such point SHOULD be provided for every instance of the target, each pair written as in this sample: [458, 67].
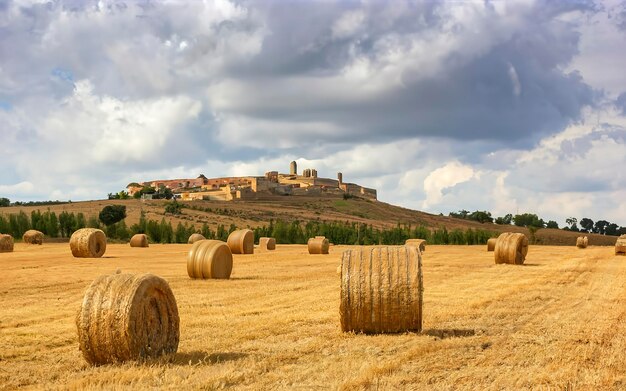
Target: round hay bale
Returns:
[267, 243]
[381, 289]
[581, 242]
[318, 245]
[127, 317]
[419, 243]
[241, 241]
[620, 245]
[6, 243]
[33, 236]
[194, 238]
[209, 259]
[88, 243]
[511, 248]
[139, 240]
[491, 244]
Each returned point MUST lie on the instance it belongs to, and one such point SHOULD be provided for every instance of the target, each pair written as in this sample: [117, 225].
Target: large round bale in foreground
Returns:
[267, 243]
[88, 243]
[511, 248]
[139, 240]
[582, 242]
[318, 245]
[209, 259]
[194, 238]
[241, 241]
[127, 317]
[33, 236]
[620, 245]
[491, 244]
[419, 243]
[381, 289]
[6, 243]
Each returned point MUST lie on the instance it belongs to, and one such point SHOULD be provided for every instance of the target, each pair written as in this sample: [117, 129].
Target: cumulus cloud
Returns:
[440, 105]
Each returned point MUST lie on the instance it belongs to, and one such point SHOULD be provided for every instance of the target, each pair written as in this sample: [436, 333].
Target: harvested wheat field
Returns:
[559, 320]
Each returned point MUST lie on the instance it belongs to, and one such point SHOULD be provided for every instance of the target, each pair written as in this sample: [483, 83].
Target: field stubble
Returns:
[558, 321]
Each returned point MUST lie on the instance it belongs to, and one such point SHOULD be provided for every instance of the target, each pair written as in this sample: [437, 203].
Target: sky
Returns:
[505, 106]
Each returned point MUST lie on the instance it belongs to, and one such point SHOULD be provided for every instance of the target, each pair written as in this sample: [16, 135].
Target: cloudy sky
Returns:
[506, 106]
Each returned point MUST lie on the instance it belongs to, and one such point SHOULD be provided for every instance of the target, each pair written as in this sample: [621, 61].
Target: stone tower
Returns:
[293, 168]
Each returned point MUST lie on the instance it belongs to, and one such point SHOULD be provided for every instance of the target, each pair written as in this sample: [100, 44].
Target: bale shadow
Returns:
[198, 357]
[449, 333]
[531, 264]
[246, 278]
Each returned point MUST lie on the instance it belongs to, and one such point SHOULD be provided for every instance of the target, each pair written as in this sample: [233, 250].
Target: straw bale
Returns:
[318, 245]
[491, 244]
[127, 317]
[209, 259]
[241, 241]
[511, 248]
[194, 238]
[267, 243]
[33, 236]
[620, 245]
[419, 243]
[381, 289]
[581, 242]
[88, 243]
[6, 243]
[139, 240]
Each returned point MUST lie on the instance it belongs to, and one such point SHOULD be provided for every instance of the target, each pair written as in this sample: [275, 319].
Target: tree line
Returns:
[531, 220]
[295, 232]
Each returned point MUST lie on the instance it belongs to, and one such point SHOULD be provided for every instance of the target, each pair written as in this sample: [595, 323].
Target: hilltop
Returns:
[258, 213]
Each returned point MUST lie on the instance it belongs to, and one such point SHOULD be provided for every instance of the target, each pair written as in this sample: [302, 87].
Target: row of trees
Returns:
[587, 225]
[294, 232]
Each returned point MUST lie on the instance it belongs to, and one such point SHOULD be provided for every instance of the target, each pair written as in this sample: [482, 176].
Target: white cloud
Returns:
[443, 178]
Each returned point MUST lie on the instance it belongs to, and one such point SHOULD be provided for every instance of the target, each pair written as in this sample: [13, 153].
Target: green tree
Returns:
[112, 214]
[552, 224]
[586, 224]
[174, 208]
[504, 220]
[5, 202]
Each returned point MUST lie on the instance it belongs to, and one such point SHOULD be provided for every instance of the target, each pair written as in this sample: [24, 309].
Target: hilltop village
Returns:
[269, 186]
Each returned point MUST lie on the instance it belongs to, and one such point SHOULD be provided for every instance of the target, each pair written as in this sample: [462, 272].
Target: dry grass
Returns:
[558, 321]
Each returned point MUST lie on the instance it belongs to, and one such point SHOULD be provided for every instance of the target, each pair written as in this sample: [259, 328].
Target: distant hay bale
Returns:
[511, 248]
[6, 243]
[620, 245]
[139, 240]
[127, 317]
[194, 238]
[33, 236]
[88, 243]
[267, 243]
[209, 259]
[582, 242]
[318, 245]
[241, 241]
[491, 244]
[419, 243]
[381, 289]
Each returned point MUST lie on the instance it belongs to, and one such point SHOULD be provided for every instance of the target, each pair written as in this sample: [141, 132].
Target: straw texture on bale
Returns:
[318, 245]
[194, 238]
[267, 243]
[582, 242]
[620, 245]
[381, 289]
[88, 243]
[511, 248]
[491, 244]
[209, 259]
[6, 243]
[241, 241]
[419, 243]
[33, 236]
[139, 240]
[127, 317]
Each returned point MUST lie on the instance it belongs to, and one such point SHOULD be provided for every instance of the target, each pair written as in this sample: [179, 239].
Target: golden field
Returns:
[558, 322]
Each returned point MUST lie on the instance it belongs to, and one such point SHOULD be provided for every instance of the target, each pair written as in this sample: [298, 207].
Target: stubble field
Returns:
[559, 321]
